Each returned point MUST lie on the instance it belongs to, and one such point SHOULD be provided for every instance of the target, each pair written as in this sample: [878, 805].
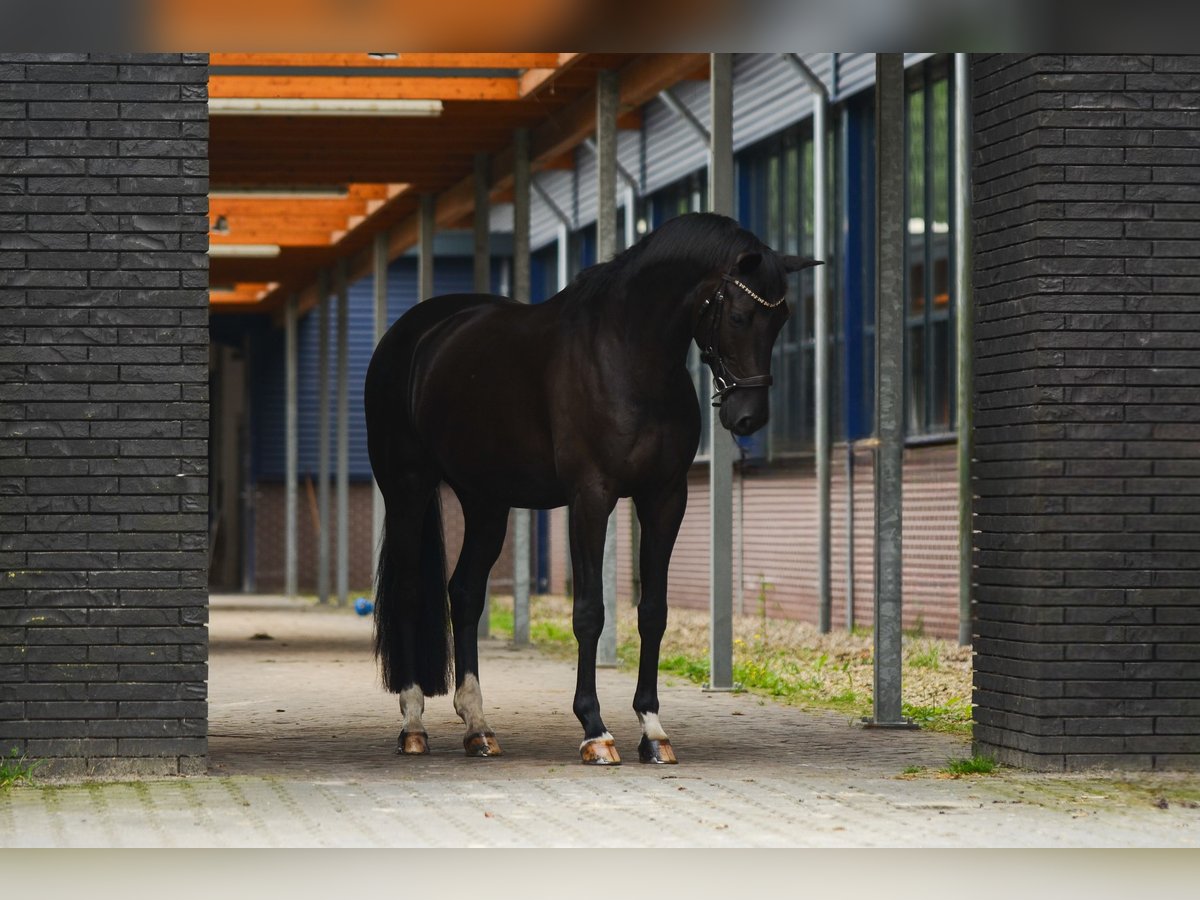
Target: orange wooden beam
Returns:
[283, 208]
[631, 120]
[244, 294]
[535, 80]
[564, 163]
[323, 87]
[316, 237]
[640, 81]
[402, 61]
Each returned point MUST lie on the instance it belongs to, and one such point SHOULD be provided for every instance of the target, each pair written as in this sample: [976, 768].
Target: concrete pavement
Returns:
[302, 754]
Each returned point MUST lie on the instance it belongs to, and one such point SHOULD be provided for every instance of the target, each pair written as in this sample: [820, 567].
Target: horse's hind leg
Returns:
[413, 738]
[482, 542]
[407, 634]
[660, 515]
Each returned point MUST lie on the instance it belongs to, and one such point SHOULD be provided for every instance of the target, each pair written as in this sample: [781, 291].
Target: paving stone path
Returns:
[302, 754]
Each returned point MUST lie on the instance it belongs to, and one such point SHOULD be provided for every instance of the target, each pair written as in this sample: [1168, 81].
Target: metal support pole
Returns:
[291, 455]
[964, 312]
[607, 89]
[635, 524]
[890, 234]
[521, 517]
[821, 338]
[381, 325]
[425, 260]
[563, 259]
[630, 217]
[483, 285]
[721, 446]
[483, 251]
[323, 438]
[343, 435]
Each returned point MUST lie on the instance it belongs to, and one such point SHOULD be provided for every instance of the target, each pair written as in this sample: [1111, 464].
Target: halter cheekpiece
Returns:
[724, 380]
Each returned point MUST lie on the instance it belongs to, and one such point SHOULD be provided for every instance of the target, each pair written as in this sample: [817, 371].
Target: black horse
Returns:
[577, 401]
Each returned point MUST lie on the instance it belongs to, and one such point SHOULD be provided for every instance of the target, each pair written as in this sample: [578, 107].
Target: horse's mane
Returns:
[704, 241]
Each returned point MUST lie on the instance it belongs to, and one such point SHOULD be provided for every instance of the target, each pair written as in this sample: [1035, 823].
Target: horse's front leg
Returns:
[660, 515]
[589, 522]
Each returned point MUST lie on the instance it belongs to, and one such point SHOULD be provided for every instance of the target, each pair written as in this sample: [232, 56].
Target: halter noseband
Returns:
[724, 380]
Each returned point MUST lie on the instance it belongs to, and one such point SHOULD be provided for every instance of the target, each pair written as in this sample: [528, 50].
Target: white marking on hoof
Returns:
[468, 703]
[412, 705]
[651, 727]
[604, 737]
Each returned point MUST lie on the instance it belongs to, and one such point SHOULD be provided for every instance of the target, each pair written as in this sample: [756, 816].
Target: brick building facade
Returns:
[104, 411]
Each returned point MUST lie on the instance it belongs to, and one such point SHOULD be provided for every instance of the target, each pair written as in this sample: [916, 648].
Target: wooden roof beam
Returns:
[400, 61]
[534, 80]
[640, 81]
[340, 87]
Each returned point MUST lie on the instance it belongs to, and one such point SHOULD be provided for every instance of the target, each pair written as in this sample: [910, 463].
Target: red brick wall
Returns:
[779, 554]
[269, 540]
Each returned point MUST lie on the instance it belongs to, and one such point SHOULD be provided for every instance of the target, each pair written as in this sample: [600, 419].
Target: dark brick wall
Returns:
[104, 410]
[1087, 227]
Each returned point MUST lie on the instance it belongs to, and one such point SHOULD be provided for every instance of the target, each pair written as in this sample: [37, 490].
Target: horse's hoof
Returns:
[658, 752]
[482, 743]
[600, 751]
[414, 744]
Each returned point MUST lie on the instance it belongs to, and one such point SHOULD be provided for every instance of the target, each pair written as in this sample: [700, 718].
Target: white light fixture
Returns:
[288, 106]
[260, 251]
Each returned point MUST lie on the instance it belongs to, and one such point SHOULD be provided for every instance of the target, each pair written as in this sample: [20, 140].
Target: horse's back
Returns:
[387, 390]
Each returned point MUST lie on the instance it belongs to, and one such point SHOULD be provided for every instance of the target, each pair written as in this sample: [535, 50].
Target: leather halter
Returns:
[724, 379]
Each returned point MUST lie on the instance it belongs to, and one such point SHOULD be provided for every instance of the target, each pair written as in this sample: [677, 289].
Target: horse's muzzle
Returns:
[744, 412]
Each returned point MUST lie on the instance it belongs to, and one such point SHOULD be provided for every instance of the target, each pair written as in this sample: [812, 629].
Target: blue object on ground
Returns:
[363, 606]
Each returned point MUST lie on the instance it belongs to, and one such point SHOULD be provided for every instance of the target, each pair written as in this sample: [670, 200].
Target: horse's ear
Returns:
[747, 262]
[797, 263]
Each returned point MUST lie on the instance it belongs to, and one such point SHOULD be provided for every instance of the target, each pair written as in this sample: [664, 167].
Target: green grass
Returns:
[973, 765]
[549, 633]
[951, 717]
[793, 675]
[16, 768]
[929, 658]
[501, 621]
[912, 770]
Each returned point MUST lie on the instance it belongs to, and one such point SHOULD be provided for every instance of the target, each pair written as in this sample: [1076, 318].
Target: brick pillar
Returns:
[104, 411]
[1087, 208]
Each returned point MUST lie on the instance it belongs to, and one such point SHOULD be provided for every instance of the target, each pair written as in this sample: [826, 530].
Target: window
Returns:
[775, 190]
[929, 332]
[854, 299]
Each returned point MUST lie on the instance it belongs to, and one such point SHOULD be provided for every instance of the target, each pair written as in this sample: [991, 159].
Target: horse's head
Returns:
[736, 332]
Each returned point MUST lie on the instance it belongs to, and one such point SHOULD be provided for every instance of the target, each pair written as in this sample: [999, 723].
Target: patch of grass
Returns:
[500, 621]
[972, 765]
[549, 633]
[825, 673]
[912, 770]
[929, 658]
[15, 768]
[951, 717]
[694, 670]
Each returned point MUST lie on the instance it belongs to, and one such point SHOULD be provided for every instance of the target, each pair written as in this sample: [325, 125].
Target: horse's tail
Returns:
[412, 617]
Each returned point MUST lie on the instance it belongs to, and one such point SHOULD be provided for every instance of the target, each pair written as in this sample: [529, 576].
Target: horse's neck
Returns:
[660, 312]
